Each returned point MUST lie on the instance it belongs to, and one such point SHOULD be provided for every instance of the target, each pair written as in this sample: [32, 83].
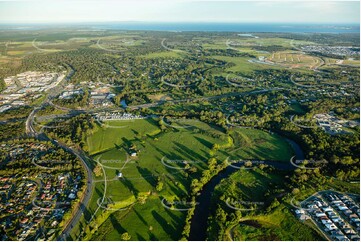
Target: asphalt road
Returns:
[88, 194]
[89, 184]
[31, 131]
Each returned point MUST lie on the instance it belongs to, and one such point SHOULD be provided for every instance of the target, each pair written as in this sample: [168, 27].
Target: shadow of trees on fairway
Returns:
[169, 229]
[152, 237]
[147, 175]
[176, 190]
[204, 142]
[116, 224]
[140, 217]
[178, 221]
[187, 152]
[128, 184]
[139, 237]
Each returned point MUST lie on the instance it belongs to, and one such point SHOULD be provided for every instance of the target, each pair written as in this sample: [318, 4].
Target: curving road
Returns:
[87, 193]
[31, 131]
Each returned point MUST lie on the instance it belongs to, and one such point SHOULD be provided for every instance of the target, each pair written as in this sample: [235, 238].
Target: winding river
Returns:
[198, 231]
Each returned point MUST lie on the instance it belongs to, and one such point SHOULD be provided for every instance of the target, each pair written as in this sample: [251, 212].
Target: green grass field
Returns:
[279, 225]
[140, 173]
[189, 140]
[163, 54]
[242, 64]
[256, 144]
[249, 184]
[252, 187]
[150, 221]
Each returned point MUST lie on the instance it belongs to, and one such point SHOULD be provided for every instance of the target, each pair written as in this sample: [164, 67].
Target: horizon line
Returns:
[180, 22]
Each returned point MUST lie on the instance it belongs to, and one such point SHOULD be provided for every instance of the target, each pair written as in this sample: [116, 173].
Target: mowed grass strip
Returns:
[150, 221]
[114, 132]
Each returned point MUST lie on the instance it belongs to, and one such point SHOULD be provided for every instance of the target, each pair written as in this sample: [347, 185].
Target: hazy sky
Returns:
[58, 11]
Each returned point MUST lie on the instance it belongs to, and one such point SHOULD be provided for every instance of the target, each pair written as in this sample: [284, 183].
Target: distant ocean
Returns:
[221, 27]
[234, 27]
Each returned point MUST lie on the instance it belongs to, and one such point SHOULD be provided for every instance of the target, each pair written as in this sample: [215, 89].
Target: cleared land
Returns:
[295, 60]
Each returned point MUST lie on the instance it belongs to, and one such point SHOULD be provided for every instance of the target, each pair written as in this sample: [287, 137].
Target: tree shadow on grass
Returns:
[187, 151]
[116, 224]
[98, 192]
[127, 142]
[175, 189]
[165, 225]
[147, 175]
[135, 132]
[171, 155]
[140, 217]
[175, 175]
[152, 237]
[128, 184]
[86, 212]
[204, 142]
[152, 121]
[139, 237]
[178, 221]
